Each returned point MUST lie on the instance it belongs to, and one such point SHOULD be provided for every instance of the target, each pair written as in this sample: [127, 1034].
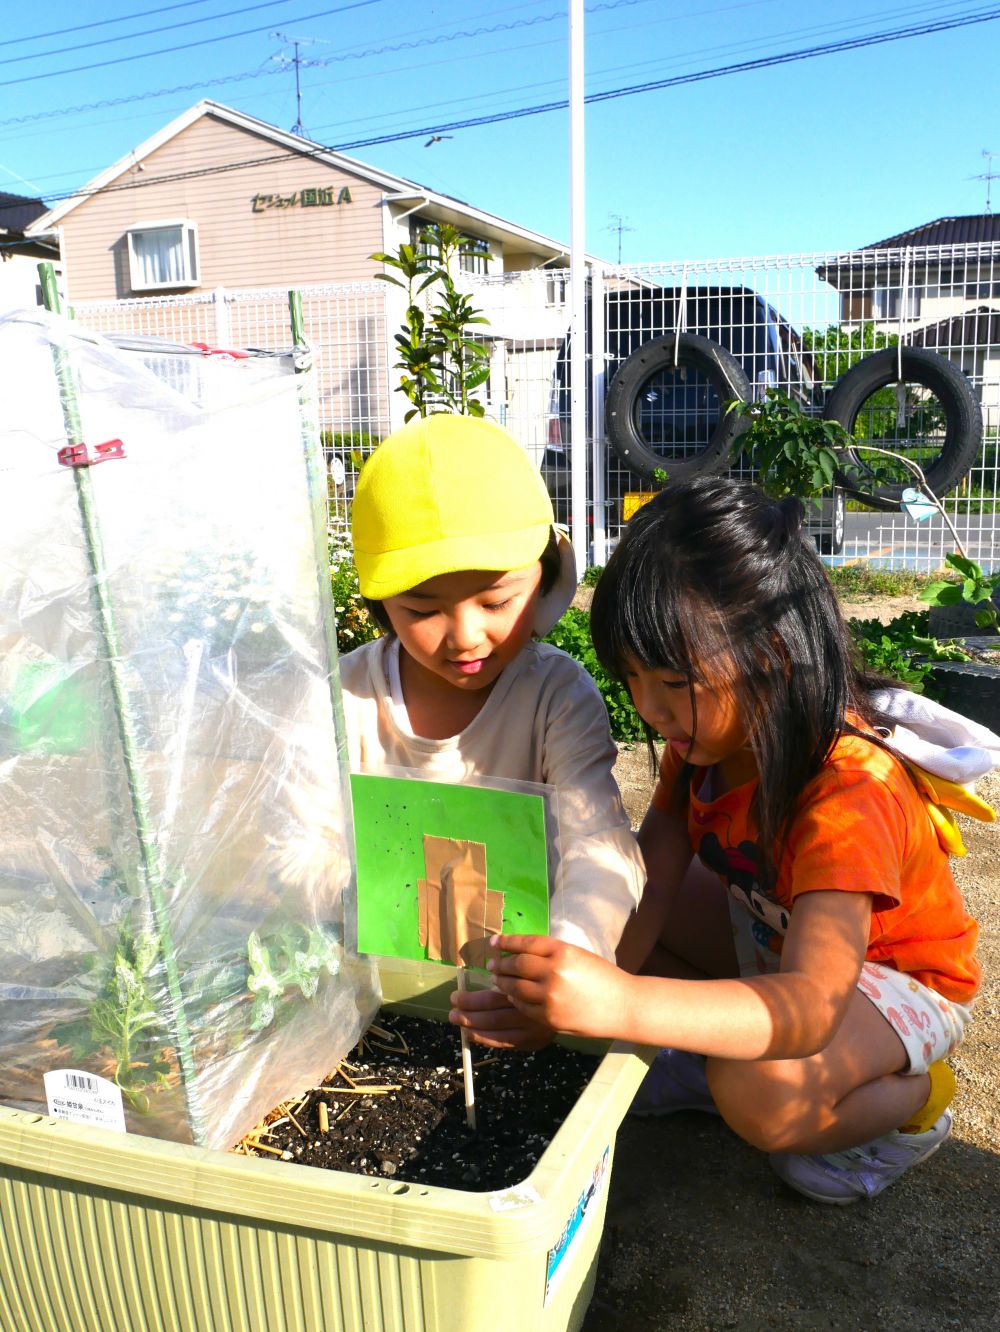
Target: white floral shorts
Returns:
[929, 1025]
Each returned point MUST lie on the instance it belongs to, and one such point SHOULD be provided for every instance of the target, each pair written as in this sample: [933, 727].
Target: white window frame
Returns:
[886, 303]
[189, 243]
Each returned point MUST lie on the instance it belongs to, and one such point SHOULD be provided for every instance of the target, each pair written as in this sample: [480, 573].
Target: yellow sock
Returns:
[941, 1093]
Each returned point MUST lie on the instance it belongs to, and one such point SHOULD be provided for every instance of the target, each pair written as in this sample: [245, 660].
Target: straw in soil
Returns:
[397, 1110]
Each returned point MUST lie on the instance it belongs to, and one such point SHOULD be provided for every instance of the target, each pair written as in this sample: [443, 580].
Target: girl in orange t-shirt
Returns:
[801, 949]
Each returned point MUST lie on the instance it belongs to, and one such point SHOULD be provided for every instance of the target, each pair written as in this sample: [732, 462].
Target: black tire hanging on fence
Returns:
[720, 368]
[963, 421]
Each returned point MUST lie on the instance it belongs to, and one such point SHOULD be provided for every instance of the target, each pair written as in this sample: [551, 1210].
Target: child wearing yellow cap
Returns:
[462, 566]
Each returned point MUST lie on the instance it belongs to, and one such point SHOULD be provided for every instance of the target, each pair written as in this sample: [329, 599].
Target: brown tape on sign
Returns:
[458, 912]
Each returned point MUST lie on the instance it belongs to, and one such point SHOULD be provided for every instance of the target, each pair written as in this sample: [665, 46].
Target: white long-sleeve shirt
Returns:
[544, 721]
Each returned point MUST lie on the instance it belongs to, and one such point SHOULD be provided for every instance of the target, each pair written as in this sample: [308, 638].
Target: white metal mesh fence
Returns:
[794, 323]
[798, 324]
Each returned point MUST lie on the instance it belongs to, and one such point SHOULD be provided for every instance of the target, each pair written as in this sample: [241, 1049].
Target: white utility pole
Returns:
[577, 294]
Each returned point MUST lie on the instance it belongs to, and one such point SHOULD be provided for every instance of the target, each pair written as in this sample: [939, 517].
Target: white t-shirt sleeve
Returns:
[601, 873]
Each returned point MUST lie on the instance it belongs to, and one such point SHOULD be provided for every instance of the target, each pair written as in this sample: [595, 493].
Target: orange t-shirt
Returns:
[860, 826]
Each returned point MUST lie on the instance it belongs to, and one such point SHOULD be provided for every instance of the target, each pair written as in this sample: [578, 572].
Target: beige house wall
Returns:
[278, 245]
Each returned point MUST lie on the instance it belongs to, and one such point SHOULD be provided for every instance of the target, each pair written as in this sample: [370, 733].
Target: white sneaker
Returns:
[860, 1172]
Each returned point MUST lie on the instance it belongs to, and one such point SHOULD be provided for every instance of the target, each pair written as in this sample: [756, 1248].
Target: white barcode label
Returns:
[81, 1082]
[84, 1098]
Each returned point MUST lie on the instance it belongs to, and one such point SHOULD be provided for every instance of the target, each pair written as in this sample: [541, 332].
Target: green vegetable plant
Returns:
[123, 1020]
[902, 648]
[975, 588]
[572, 634]
[441, 365]
[792, 452]
[295, 957]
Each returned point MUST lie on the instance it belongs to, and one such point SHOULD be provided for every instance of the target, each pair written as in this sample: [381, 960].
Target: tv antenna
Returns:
[298, 62]
[617, 223]
[989, 175]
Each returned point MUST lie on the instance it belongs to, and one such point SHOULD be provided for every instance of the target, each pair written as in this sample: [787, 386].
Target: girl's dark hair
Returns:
[550, 561]
[710, 571]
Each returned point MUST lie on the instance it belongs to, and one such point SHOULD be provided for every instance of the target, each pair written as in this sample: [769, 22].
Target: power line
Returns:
[100, 23]
[762, 62]
[225, 79]
[146, 32]
[168, 50]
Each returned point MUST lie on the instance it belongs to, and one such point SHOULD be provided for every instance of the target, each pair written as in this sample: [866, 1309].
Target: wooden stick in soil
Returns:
[470, 1089]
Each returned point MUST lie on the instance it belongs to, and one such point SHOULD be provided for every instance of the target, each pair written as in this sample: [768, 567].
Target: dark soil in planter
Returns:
[416, 1131]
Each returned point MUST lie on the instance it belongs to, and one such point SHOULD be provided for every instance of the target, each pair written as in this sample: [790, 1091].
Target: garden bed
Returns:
[129, 1219]
[971, 687]
[412, 1125]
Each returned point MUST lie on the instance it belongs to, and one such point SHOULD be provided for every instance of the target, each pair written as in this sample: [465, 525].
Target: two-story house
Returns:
[936, 286]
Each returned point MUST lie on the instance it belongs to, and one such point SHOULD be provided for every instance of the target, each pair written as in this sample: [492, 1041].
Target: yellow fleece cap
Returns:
[446, 493]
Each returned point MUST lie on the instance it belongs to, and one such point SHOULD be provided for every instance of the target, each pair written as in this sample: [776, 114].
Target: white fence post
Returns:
[220, 302]
[577, 280]
[598, 444]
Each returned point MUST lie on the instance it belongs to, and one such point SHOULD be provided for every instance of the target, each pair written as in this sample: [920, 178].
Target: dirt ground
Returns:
[700, 1233]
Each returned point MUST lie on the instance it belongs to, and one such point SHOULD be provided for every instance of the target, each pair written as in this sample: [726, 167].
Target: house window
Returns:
[473, 257]
[889, 303]
[982, 290]
[556, 286]
[163, 254]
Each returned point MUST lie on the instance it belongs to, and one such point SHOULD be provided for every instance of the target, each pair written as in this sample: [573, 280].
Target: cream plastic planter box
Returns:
[105, 1232]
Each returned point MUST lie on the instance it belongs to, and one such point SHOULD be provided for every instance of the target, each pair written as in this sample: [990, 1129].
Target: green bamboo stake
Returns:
[151, 869]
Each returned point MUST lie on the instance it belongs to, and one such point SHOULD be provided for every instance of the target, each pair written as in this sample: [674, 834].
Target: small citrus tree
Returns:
[793, 453]
[441, 365]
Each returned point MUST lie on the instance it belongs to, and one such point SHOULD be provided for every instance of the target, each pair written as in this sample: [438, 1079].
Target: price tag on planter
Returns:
[84, 1098]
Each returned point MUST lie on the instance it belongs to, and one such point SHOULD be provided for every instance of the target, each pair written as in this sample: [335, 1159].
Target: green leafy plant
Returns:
[441, 365]
[975, 588]
[354, 625]
[834, 350]
[295, 957]
[352, 447]
[792, 452]
[902, 648]
[861, 580]
[124, 1021]
[572, 634]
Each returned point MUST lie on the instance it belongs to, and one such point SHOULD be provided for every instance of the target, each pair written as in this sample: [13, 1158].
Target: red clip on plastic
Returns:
[77, 455]
[224, 355]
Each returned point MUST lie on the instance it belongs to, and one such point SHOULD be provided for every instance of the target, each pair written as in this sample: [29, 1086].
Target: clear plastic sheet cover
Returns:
[175, 845]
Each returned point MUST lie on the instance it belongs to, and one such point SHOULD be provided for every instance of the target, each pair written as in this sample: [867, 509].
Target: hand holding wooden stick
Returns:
[458, 914]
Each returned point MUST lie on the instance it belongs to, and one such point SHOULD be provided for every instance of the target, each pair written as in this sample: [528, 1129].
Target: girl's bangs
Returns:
[650, 630]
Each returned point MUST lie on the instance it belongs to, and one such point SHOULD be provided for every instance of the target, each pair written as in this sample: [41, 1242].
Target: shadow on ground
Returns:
[700, 1234]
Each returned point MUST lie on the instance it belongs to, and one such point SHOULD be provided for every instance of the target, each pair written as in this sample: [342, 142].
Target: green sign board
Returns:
[392, 815]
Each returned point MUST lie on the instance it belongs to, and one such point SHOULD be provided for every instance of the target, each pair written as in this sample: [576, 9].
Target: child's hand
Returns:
[558, 985]
[491, 1019]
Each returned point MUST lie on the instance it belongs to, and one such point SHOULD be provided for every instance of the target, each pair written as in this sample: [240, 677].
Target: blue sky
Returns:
[825, 153]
